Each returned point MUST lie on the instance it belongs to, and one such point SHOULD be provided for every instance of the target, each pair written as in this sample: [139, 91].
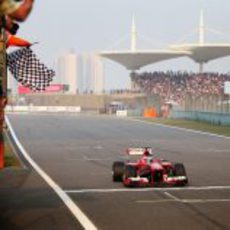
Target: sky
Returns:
[98, 25]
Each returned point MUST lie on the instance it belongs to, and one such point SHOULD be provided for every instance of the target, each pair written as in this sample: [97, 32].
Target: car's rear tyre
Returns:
[179, 170]
[118, 171]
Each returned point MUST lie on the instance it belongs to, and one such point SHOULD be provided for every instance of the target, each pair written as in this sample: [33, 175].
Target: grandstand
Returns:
[175, 86]
[199, 96]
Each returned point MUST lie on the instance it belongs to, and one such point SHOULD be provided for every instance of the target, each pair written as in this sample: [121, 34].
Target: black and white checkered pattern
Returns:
[28, 70]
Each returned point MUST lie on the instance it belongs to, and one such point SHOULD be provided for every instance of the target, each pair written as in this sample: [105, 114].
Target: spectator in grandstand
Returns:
[175, 86]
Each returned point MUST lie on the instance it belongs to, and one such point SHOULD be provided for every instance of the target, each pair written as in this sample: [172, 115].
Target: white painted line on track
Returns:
[220, 150]
[115, 190]
[180, 128]
[205, 200]
[97, 159]
[75, 210]
[188, 201]
[155, 201]
[172, 196]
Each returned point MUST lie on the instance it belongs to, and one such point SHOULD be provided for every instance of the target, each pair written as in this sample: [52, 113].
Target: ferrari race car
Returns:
[148, 171]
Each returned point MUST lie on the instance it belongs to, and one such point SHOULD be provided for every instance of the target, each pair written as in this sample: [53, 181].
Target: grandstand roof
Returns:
[134, 60]
[200, 52]
[205, 52]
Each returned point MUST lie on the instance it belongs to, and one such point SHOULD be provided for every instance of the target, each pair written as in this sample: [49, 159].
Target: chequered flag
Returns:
[28, 70]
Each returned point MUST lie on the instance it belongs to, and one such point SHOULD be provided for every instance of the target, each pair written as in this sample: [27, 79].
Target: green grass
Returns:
[195, 125]
[10, 158]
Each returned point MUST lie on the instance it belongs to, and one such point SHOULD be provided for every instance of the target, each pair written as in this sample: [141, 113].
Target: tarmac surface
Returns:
[77, 152]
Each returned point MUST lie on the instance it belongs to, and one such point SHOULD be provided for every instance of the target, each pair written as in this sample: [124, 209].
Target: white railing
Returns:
[71, 109]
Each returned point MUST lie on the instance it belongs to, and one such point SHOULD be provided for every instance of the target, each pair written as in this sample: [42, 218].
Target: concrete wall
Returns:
[86, 102]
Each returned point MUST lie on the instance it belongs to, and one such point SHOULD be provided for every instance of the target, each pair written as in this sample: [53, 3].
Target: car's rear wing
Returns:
[138, 151]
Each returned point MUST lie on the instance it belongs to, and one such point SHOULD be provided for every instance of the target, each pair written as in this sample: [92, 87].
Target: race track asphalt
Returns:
[77, 153]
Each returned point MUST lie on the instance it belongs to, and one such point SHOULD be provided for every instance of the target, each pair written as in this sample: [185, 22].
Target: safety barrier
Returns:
[122, 113]
[54, 109]
[214, 118]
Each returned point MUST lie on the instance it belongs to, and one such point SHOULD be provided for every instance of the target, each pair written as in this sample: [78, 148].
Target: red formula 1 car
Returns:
[148, 171]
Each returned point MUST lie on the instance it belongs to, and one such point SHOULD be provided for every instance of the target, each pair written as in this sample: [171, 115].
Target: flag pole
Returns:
[3, 88]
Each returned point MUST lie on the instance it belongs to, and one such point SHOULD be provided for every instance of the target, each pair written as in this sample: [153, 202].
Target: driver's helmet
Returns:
[146, 153]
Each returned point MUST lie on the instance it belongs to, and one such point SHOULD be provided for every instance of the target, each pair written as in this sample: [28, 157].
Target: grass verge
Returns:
[10, 158]
[195, 125]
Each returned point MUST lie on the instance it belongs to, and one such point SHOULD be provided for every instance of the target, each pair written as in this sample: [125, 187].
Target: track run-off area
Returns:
[74, 155]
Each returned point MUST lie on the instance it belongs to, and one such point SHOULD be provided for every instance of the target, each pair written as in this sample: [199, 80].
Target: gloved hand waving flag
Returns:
[13, 40]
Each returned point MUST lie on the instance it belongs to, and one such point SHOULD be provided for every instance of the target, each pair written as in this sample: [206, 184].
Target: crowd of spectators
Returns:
[174, 86]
